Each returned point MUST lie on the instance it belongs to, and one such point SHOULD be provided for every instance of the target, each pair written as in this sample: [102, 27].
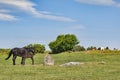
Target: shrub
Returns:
[78, 48]
[39, 48]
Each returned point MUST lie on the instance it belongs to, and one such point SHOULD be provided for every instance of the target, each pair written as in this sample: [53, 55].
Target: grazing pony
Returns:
[21, 52]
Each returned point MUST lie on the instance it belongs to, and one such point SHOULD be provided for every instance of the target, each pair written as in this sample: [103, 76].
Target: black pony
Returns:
[22, 52]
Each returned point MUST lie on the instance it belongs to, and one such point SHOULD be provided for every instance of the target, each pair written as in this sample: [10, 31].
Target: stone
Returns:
[72, 64]
[102, 62]
[48, 60]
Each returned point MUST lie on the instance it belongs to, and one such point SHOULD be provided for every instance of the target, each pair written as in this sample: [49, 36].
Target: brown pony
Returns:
[21, 52]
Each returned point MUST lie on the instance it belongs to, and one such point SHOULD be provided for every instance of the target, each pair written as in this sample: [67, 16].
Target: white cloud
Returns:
[45, 12]
[28, 6]
[100, 2]
[54, 17]
[7, 17]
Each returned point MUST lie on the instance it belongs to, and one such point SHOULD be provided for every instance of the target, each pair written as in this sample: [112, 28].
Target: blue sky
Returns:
[94, 22]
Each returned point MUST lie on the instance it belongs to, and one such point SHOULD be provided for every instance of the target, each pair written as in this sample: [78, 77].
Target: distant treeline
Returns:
[63, 43]
[3, 51]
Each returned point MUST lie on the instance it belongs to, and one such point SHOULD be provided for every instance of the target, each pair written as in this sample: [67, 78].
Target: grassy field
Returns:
[91, 70]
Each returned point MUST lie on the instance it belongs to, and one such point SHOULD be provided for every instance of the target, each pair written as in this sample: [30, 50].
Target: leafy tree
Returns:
[63, 43]
[107, 48]
[37, 47]
[99, 48]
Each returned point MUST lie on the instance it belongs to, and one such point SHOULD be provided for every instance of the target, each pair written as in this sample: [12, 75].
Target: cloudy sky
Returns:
[94, 22]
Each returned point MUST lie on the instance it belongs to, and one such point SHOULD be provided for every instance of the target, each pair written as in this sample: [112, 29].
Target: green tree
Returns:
[107, 48]
[63, 43]
[39, 48]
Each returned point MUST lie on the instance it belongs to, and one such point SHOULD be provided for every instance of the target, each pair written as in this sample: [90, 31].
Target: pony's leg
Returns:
[32, 60]
[14, 57]
[23, 61]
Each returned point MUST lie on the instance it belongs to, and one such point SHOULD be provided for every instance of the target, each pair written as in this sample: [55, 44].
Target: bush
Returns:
[37, 47]
[92, 48]
[78, 48]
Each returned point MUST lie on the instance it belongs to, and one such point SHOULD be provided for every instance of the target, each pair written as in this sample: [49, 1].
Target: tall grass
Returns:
[91, 70]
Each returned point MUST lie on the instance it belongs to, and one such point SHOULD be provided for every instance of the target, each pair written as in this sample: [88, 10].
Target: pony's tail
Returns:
[10, 53]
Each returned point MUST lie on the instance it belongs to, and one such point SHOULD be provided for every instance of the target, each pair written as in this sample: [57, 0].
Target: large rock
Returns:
[48, 60]
[72, 64]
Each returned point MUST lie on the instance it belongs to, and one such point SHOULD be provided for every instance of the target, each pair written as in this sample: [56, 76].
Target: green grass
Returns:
[91, 70]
